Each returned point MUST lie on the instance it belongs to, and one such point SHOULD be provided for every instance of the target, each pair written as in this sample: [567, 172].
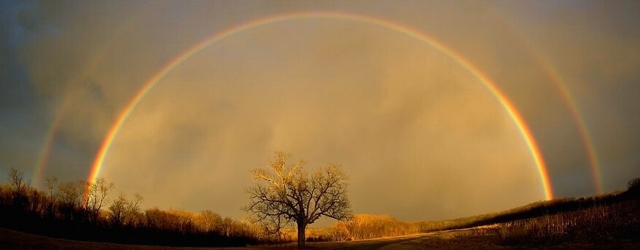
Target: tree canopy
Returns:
[286, 193]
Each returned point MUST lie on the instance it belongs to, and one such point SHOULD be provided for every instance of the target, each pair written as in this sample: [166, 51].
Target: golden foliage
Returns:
[367, 226]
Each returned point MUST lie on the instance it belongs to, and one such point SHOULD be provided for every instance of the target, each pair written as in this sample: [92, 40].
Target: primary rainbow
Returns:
[408, 31]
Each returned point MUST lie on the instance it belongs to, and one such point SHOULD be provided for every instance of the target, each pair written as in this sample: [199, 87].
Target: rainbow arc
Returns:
[157, 77]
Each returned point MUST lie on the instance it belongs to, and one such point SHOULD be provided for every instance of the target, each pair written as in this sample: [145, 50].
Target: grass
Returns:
[600, 224]
[10, 239]
[533, 210]
[18, 240]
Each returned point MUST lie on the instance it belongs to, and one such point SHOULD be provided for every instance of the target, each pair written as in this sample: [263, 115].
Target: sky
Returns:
[412, 98]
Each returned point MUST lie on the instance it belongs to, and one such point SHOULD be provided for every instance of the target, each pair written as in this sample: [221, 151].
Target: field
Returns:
[18, 240]
[475, 238]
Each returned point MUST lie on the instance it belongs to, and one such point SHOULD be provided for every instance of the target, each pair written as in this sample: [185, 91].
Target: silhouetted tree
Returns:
[70, 198]
[122, 211]
[133, 210]
[117, 210]
[70, 212]
[16, 180]
[68, 193]
[285, 192]
[51, 182]
[634, 186]
[96, 193]
[19, 189]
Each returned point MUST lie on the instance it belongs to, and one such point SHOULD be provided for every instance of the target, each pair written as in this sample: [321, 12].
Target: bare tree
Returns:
[95, 196]
[16, 179]
[51, 183]
[122, 210]
[70, 199]
[285, 192]
[133, 209]
[208, 221]
[20, 188]
[69, 193]
[117, 210]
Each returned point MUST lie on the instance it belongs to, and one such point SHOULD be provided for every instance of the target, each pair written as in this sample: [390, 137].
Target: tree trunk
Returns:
[301, 234]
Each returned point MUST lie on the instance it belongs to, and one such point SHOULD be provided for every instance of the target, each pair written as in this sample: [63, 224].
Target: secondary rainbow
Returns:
[570, 102]
[91, 67]
[45, 151]
[594, 165]
[400, 28]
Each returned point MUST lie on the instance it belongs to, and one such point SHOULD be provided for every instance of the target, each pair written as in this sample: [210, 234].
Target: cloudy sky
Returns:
[420, 136]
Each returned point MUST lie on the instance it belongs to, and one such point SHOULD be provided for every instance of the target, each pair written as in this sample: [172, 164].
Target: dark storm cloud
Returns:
[23, 115]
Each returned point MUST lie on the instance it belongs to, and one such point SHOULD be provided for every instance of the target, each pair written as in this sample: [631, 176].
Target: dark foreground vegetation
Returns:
[598, 224]
[540, 209]
[600, 220]
[81, 211]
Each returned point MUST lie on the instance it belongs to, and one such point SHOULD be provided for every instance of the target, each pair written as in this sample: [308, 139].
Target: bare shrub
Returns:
[594, 224]
[634, 186]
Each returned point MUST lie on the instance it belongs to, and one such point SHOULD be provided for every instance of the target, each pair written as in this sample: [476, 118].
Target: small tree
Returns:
[16, 179]
[117, 210]
[122, 210]
[69, 197]
[19, 197]
[96, 194]
[208, 221]
[286, 193]
[51, 184]
[634, 186]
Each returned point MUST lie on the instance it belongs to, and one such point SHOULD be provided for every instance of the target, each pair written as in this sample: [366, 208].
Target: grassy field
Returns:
[18, 240]
[475, 238]
[533, 210]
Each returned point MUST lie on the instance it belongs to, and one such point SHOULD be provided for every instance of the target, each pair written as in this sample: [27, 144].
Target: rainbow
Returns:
[45, 151]
[43, 156]
[408, 31]
[570, 102]
[594, 165]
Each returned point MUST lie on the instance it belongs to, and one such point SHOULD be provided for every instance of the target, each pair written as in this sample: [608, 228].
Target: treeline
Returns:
[81, 211]
[537, 209]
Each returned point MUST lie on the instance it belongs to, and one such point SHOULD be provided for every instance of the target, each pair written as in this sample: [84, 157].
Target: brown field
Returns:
[476, 238]
[18, 240]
